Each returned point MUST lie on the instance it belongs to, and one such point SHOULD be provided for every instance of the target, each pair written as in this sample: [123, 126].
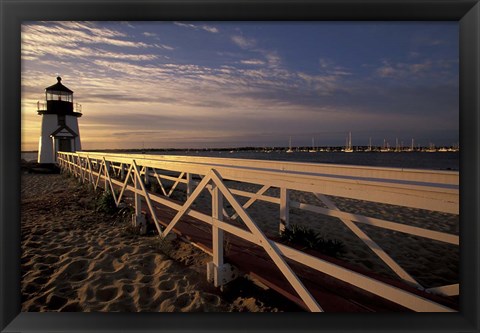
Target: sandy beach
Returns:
[75, 258]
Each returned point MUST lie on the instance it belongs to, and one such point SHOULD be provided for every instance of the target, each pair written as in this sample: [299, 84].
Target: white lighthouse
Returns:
[59, 123]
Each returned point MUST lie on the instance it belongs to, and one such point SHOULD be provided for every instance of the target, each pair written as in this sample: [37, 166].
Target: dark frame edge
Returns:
[12, 320]
[9, 171]
[470, 138]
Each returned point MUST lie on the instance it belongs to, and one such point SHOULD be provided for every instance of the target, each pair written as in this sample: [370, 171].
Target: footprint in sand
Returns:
[167, 285]
[72, 307]
[55, 302]
[106, 264]
[211, 299]
[106, 294]
[80, 252]
[38, 281]
[120, 307]
[128, 288]
[119, 253]
[30, 289]
[146, 293]
[146, 279]
[46, 270]
[183, 300]
[167, 306]
[165, 296]
[49, 259]
[58, 251]
[74, 271]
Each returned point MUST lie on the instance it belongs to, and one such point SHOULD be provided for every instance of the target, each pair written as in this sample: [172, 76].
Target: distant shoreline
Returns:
[280, 148]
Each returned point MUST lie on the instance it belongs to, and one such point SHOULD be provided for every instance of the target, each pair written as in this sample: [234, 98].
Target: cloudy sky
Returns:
[232, 84]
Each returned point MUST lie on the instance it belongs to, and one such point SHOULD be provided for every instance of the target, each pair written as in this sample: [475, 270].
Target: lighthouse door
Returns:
[64, 145]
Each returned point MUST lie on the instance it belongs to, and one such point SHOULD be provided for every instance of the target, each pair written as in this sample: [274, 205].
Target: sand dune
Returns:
[77, 259]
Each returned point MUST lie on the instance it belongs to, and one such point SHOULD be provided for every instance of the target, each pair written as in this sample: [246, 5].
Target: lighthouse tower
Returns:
[59, 123]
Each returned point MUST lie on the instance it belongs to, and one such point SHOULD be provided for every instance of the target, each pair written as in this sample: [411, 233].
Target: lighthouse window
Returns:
[56, 96]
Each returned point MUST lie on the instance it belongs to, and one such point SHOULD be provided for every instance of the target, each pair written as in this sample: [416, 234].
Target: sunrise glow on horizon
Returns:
[236, 84]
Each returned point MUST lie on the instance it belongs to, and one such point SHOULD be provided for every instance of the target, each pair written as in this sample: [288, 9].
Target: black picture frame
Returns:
[14, 12]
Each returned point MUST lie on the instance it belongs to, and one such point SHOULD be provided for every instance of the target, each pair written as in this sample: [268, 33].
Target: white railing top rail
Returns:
[421, 189]
[399, 174]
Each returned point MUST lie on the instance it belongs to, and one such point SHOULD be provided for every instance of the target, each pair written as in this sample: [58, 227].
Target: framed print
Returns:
[165, 160]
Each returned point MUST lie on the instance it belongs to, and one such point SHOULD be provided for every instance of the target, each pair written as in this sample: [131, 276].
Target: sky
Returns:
[235, 84]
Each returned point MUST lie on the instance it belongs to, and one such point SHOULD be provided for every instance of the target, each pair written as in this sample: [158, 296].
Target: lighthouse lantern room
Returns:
[59, 123]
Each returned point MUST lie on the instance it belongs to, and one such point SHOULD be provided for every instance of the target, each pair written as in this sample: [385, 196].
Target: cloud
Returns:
[30, 52]
[90, 27]
[325, 63]
[210, 29]
[165, 47]
[321, 84]
[386, 71]
[243, 42]
[75, 39]
[329, 67]
[253, 62]
[128, 24]
[83, 41]
[436, 42]
[273, 59]
[198, 27]
[404, 70]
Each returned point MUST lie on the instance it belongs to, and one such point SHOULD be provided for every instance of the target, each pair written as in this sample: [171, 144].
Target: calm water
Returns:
[413, 160]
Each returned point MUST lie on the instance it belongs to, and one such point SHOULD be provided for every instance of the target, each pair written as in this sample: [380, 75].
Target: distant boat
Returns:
[386, 147]
[397, 146]
[431, 148]
[348, 147]
[369, 149]
[412, 148]
[313, 150]
[289, 150]
[454, 148]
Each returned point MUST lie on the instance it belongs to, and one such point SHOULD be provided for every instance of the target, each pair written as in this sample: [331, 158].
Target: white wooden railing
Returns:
[421, 189]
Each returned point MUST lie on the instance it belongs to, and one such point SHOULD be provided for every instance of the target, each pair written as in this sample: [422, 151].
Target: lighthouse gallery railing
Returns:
[422, 189]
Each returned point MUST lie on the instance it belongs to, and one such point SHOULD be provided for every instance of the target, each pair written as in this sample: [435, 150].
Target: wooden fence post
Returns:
[106, 171]
[217, 233]
[284, 208]
[138, 220]
[147, 180]
[122, 171]
[218, 271]
[189, 184]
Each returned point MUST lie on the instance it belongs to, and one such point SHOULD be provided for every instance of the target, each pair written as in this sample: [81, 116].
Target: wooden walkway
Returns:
[332, 294]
